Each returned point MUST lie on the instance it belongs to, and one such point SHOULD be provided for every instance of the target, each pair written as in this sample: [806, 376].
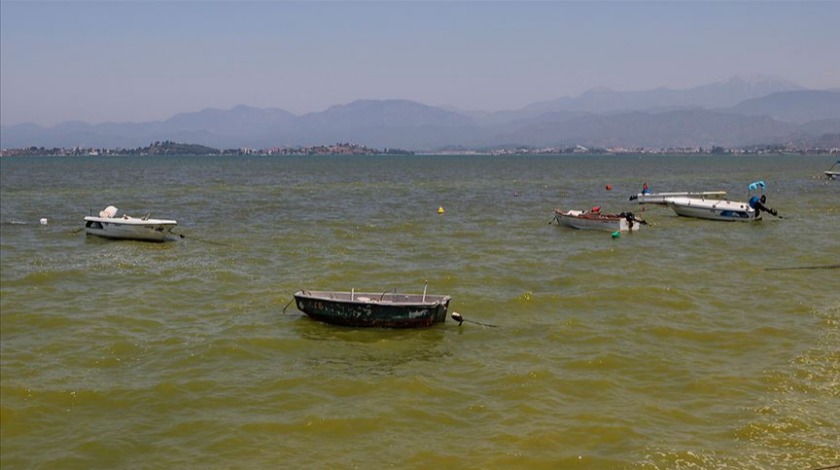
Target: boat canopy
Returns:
[109, 212]
[757, 185]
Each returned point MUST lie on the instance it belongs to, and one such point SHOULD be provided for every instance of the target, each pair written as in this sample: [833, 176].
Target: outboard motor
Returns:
[632, 218]
[758, 205]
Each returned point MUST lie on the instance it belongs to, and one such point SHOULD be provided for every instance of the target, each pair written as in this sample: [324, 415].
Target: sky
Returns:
[133, 61]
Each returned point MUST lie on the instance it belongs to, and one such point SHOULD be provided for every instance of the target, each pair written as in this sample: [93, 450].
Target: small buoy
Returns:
[440, 210]
[616, 234]
[44, 221]
[609, 187]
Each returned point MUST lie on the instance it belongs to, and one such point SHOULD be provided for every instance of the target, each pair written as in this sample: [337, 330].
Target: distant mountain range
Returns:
[732, 113]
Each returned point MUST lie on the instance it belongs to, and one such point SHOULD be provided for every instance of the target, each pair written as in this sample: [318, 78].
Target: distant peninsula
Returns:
[175, 148]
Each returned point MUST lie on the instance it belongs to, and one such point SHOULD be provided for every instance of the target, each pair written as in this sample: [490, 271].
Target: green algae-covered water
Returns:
[690, 344]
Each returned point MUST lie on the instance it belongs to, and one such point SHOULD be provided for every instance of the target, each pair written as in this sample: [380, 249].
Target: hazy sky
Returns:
[101, 61]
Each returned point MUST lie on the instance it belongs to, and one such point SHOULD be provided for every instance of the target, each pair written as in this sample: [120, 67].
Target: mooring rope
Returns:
[460, 319]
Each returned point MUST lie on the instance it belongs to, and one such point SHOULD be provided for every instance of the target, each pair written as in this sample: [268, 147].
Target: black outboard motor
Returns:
[632, 218]
[758, 205]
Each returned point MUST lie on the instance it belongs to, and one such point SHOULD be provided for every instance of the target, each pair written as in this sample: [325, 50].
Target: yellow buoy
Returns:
[440, 210]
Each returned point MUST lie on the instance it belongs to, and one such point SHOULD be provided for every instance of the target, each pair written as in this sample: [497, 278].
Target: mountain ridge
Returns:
[599, 117]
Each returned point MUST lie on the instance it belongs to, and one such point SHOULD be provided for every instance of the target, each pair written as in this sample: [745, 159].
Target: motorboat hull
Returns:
[583, 220]
[831, 173]
[130, 228]
[659, 198]
[713, 209]
[365, 309]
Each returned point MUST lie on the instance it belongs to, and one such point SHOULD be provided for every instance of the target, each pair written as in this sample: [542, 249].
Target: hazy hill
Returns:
[683, 128]
[603, 100]
[793, 106]
[388, 123]
[701, 116]
[383, 113]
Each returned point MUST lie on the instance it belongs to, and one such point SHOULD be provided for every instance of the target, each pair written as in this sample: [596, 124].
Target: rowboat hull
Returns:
[659, 198]
[130, 228]
[713, 209]
[583, 220]
[366, 309]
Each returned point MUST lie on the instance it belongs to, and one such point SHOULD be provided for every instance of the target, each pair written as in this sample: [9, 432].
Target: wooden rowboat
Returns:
[367, 309]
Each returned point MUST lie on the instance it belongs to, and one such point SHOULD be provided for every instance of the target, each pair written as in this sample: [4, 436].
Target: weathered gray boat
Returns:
[367, 309]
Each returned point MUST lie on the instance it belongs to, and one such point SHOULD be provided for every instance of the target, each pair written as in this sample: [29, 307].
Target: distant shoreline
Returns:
[356, 150]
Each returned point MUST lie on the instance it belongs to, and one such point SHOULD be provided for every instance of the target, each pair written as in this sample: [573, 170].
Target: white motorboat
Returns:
[713, 209]
[110, 224]
[659, 198]
[595, 220]
[831, 174]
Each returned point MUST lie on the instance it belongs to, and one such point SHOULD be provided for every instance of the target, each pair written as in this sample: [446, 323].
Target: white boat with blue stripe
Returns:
[718, 209]
[713, 209]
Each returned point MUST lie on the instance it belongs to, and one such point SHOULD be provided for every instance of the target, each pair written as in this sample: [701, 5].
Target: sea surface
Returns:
[691, 344]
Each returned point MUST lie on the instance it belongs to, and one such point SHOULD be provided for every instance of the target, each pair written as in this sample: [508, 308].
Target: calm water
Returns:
[681, 346]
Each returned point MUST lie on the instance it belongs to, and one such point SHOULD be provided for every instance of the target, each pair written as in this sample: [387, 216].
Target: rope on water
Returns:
[822, 266]
[182, 236]
[460, 319]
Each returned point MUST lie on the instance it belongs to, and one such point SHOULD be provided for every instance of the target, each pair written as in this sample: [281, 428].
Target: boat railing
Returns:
[383, 294]
[389, 296]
